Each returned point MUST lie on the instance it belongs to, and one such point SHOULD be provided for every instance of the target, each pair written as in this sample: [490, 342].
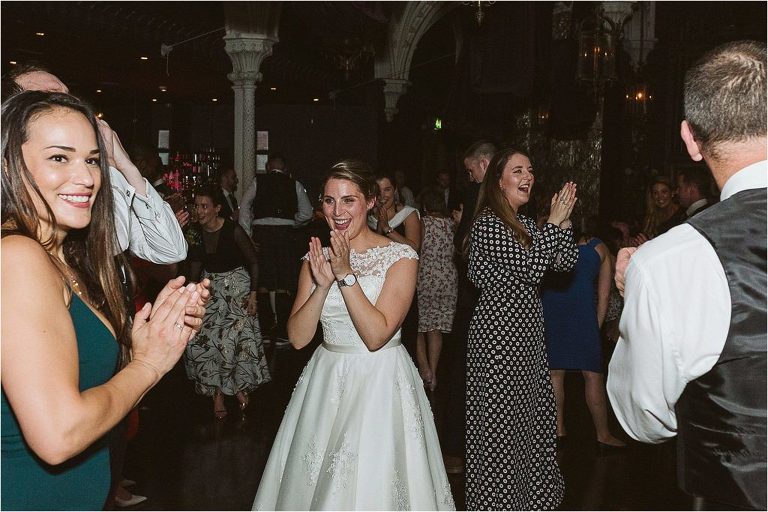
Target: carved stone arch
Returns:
[405, 31]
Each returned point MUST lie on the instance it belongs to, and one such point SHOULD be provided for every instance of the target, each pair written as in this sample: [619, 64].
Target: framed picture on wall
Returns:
[261, 163]
[262, 140]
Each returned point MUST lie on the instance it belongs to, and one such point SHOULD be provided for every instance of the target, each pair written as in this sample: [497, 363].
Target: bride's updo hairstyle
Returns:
[358, 173]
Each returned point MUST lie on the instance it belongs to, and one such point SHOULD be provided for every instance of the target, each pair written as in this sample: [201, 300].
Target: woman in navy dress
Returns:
[575, 304]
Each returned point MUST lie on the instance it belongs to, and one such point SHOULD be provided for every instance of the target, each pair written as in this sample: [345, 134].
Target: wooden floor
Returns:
[184, 459]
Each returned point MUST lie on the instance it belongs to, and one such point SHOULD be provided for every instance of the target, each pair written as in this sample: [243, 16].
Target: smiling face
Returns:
[345, 207]
[386, 193]
[516, 181]
[62, 155]
[206, 211]
[661, 195]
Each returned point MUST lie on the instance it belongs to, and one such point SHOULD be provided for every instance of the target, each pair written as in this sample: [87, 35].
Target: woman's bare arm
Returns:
[40, 368]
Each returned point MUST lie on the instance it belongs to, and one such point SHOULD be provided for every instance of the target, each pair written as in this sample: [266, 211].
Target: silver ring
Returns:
[178, 325]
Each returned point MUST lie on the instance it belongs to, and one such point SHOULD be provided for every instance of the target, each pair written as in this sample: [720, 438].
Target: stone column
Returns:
[247, 52]
[393, 89]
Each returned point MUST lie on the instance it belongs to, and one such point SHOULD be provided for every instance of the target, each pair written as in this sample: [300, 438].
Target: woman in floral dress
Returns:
[227, 356]
[437, 286]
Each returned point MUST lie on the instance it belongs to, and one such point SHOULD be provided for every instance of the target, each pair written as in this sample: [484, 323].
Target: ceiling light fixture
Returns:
[144, 58]
[98, 90]
[154, 99]
[315, 99]
[214, 100]
[163, 88]
[273, 88]
[12, 63]
[479, 14]
[41, 34]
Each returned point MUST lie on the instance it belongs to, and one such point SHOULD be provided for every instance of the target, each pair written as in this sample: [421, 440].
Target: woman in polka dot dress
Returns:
[511, 461]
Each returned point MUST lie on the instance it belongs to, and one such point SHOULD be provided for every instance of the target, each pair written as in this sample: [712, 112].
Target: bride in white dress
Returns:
[358, 433]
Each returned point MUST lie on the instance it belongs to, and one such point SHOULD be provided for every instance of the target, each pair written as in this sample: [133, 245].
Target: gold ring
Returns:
[178, 325]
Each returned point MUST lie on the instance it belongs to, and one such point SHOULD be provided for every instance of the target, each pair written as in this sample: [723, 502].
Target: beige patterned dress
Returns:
[438, 279]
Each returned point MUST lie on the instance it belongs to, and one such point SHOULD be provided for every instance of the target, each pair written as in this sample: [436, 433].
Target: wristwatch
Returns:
[347, 280]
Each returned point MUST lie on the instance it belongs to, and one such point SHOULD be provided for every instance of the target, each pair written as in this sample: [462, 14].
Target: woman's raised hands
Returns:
[562, 204]
[319, 265]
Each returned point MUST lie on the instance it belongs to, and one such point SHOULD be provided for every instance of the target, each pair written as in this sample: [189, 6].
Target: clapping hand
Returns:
[193, 313]
[160, 333]
[339, 261]
[383, 222]
[562, 204]
[319, 265]
[457, 214]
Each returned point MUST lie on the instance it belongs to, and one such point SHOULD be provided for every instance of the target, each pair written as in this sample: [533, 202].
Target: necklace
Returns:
[74, 284]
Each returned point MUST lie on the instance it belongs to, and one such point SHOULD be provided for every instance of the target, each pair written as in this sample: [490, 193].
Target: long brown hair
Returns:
[89, 251]
[492, 197]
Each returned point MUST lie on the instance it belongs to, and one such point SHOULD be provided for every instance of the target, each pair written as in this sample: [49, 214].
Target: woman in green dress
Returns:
[64, 322]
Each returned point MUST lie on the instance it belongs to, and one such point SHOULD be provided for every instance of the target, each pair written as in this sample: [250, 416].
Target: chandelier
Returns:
[349, 53]
[479, 14]
[598, 37]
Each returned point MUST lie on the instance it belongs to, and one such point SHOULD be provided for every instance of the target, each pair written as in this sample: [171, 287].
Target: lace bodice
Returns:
[371, 268]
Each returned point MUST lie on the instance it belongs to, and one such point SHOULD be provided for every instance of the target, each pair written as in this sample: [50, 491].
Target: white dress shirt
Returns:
[677, 313]
[695, 206]
[146, 226]
[303, 213]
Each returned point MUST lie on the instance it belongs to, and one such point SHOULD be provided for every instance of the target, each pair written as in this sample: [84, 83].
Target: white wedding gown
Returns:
[358, 433]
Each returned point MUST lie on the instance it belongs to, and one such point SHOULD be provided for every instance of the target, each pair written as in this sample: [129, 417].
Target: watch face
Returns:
[349, 279]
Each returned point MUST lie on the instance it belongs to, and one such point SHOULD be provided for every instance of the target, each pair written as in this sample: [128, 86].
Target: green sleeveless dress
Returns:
[81, 483]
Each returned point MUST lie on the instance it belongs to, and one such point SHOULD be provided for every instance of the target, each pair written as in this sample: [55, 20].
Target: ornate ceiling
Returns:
[99, 45]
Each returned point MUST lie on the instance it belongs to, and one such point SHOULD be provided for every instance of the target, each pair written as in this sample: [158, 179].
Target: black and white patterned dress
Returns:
[511, 436]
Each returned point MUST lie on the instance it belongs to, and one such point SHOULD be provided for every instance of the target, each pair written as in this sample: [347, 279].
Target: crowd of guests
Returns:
[525, 296]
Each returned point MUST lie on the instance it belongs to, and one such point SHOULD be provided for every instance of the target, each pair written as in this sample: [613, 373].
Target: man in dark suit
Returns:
[476, 160]
[450, 195]
[228, 182]
[693, 189]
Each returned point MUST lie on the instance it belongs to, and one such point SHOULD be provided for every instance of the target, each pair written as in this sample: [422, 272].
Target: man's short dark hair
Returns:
[699, 177]
[480, 149]
[9, 85]
[725, 95]
[272, 162]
